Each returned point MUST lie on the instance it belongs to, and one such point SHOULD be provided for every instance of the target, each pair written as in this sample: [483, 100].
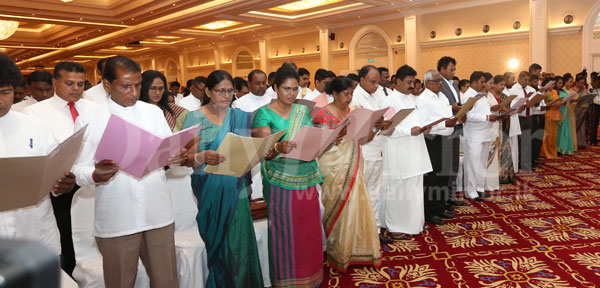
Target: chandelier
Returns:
[7, 28]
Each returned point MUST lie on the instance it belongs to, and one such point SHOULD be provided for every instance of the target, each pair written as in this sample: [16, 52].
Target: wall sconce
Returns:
[516, 25]
[341, 45]
[568, 19]
[485, 28]
[458, 31]
[290, 51]
[318, 48]
[303, 50]
[276, 52]
[399, 38]
[432, 34]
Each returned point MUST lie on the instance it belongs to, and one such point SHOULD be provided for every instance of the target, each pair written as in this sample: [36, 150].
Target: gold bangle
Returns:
[275, 147]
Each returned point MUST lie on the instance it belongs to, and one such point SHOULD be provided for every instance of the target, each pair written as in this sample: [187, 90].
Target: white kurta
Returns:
[302, 92]
[19, 107]
[125, 205]
[432, 107]
[190, 103]
[25, 136]
[477, 136]
[405, 162]
[96, 94]
[250, 103]
[372, 151]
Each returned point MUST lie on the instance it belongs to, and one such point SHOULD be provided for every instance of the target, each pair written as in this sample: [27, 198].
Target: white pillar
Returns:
[538, 34]
[182, 68]
[153, 63]
[263, 54]
[411, 44]
[326, 55]
[217, 57]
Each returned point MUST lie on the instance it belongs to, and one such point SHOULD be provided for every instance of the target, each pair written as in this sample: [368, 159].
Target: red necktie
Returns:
[74, 112]
[526, 110]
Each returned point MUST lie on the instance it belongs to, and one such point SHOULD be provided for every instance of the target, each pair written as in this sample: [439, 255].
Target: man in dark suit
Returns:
[447, 68]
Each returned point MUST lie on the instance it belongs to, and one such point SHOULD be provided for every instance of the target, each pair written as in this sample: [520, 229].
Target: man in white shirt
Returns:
[538, 120]
[60, 113]
[432, 105]
[384, 80]
[25, 136]
[193, 101]
[97, 94]
[322, 78]
[477, 136]
[405, 161]
[447, 68]
[174, 89]
[20, 93]
[365, 96]
[523, 144]
[133, 217]
[257, 83]
[40, 86]
[303, 83]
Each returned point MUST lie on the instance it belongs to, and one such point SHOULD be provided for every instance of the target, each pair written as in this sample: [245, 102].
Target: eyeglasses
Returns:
[222, 92]
[157, 88]
[288, 89]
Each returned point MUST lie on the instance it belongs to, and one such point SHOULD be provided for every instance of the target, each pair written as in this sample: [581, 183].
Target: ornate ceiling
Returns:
[86, 30]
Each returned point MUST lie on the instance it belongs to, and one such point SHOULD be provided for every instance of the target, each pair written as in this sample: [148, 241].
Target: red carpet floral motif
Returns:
[541, 231]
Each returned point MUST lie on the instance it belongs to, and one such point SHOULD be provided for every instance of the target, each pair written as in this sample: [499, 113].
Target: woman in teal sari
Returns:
[289, 187]
[224, 217]
[564, 141]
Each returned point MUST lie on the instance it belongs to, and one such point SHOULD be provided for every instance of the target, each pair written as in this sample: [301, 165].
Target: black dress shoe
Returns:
[449, 208]
[446, 215]
[436, 220]
[478, 199]
[385, 240]
[484, 195]
[456, 202]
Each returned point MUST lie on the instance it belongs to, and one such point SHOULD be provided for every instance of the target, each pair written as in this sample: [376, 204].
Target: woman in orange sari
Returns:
[549, 145]
[348, 218]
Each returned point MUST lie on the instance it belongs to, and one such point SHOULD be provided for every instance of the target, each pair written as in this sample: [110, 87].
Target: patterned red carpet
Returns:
[542, 231]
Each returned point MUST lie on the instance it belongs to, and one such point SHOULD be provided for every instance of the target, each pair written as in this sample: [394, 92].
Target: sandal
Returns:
[398, 236]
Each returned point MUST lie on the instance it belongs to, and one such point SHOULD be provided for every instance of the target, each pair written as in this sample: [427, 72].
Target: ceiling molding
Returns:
[476, 39]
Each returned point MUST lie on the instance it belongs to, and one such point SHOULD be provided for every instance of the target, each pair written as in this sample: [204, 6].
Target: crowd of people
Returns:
[389, 185]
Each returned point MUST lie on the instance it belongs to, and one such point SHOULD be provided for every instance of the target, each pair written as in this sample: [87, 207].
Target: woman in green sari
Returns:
[289, 187]
[564, 139]
[224, 217]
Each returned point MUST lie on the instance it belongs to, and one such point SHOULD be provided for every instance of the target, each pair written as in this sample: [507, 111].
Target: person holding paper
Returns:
[564, 141]
[405, 161]
[433, 105]
[224, 217]
[538, 120]
[549, 148]
[506, 171]
[290, 189]
[582, 111]
[521, 124]
[345, 197]
[154, 91]
[367, 95]
[60, 113]
[26, 136]
[133, 217]
[492, 177]
[478, 137]
[257, 83]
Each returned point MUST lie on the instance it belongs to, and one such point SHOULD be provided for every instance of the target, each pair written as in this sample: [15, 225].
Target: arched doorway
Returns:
[243, 62]
[171, 71]
[370, 46]
[591, 40]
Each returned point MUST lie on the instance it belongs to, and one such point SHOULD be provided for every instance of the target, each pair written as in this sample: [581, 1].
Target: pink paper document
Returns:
[361, 121]
[395, 117]
[321, 100]
[25, 181]
[137, 151]
[311, 142]
[515, 108]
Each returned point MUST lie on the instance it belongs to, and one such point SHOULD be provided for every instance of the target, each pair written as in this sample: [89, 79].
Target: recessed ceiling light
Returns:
[218, 25]
[302, 5]
[66, 1]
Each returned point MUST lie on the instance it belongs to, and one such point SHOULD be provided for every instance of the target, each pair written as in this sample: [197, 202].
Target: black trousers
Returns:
[596, 122]
[437, 183]
[62, 212]
[537, 137]
[525, 140]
